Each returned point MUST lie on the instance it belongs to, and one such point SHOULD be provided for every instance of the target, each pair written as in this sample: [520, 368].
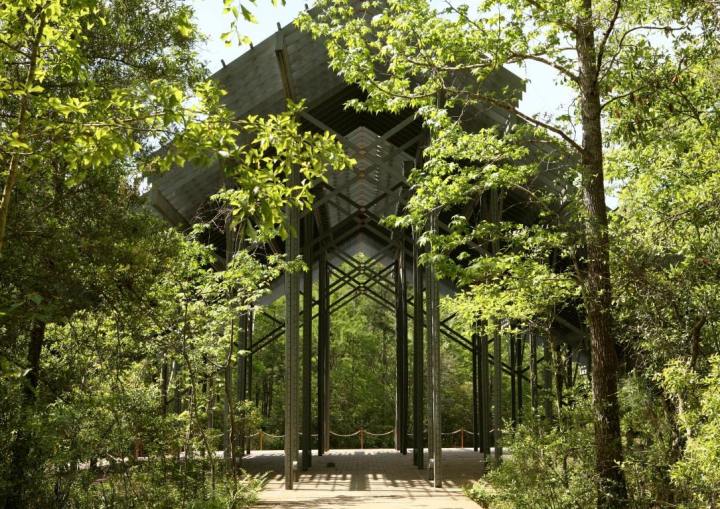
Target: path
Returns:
[367, 479]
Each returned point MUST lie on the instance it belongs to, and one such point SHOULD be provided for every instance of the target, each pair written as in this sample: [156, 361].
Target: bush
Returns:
[697, 473]
[548, 465]
[153, 485]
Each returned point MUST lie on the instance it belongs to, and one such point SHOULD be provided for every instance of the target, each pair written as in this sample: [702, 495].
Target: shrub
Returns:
[548, 465]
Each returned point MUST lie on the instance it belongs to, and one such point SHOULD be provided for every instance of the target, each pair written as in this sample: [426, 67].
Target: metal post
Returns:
[249, 366]
[292, 326]
[547, 379]
[484, 389]
[307, 344]
[513, 376]
[533, 374]
[434, 345]
[429, 360]
[323, 351]
[497, 388]
[418, 355]
[401, 374]
[519, 349]
[326, 370]
[242, 371]
[475, 408]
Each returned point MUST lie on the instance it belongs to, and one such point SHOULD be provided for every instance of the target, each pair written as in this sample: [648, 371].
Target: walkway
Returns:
[367, 479]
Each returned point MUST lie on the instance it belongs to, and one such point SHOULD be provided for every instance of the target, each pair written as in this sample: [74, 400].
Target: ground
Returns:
[367, 479]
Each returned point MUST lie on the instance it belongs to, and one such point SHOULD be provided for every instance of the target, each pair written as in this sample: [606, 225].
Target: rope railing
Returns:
[360, 433]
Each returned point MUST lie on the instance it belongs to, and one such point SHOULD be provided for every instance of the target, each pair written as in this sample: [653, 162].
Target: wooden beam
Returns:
[475, 397]
[292, 326]
[484, 389]
[497, 390]
[434, 354]
[418, 357]
[307, 344]
[323, 353]
[401, 355]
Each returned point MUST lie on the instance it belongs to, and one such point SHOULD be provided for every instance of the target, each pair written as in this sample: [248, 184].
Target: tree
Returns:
[90, 91]
[664, 251]
[87, 83]
[404, 53]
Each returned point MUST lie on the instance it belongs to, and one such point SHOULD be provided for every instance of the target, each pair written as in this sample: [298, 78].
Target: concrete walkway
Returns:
[367, 479]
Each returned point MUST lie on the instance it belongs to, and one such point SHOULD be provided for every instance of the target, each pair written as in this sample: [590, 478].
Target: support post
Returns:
[513, 379]
[547, 379]
[249, 367]
[497, 388]
[307, 344]
[292, 326]
[533, 374]
[418, 357]
[401, 351]
[429, 361]
[434, 345]
[475, 402]
[241, 388]
[484, 389]
[519, 350]
[323, 355]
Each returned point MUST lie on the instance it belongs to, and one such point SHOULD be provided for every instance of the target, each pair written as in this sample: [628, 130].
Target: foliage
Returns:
[151, 485]
[118, 334]
[119, 337]
[697, 472]
[106, 388]
[640, 78]
[275, 169]
[82, 93]
[550, 464]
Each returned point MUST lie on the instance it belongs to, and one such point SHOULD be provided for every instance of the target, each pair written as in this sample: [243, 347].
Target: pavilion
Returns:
[345, 222]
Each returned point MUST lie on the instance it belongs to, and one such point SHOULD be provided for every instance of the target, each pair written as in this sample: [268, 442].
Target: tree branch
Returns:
[558, 67]
[608, 33]
[529, 119]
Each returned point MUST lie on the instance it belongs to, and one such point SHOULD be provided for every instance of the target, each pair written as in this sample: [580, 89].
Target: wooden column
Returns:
[434, 353]
[533, 374]
[323, 380]
[307, 344]
[495, 216]
[292, 343]
[249, 367]
[519, 350]
[497, 389]
[241, 381]
[513, 379]
[484, 390]
[428, 361]
[401, 352]
[475, 394]
[418, 357]
[547, 379]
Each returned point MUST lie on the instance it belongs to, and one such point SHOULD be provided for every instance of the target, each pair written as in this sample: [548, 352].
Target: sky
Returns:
[542, 95]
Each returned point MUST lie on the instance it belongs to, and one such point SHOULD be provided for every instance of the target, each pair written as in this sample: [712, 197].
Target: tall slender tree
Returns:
[406, 53]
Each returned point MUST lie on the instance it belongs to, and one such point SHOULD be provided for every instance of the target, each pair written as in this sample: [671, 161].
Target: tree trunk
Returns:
[23, 441]
[21, 127]
[612, 491]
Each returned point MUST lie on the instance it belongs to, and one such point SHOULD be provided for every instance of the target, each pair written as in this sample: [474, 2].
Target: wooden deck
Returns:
[370, 478]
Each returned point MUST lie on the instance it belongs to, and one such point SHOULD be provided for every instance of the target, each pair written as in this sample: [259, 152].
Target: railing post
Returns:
[260, 435]
[462, 438]
[362, 438]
